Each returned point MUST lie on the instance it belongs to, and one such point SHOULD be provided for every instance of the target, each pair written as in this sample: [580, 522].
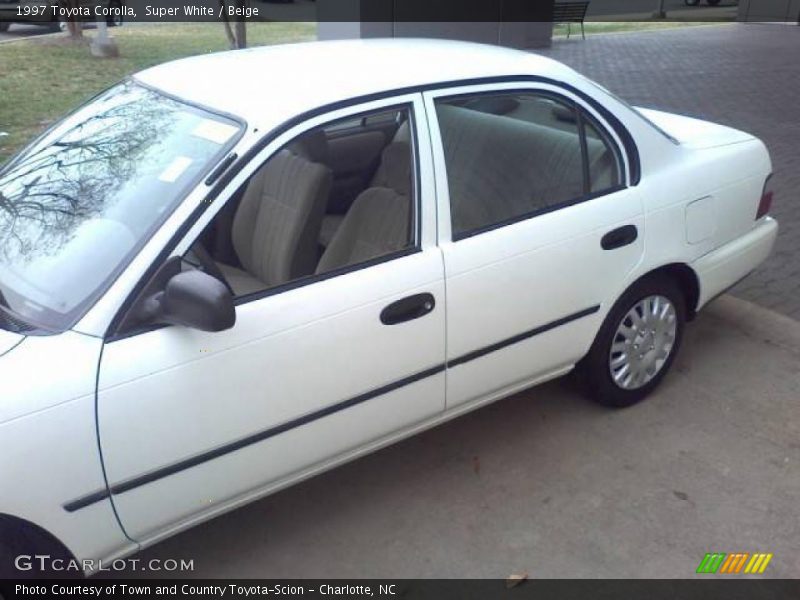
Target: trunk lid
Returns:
[694, 133]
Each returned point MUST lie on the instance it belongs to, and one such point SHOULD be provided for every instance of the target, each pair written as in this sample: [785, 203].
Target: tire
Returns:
[7, 570]
[16, 540]
[647, 356]
[13, 542]
[4, 26]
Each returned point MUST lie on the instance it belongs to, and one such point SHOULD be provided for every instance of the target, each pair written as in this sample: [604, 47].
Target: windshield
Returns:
[78, 204]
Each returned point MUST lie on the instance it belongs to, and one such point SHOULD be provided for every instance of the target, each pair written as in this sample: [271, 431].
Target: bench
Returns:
[570, 12]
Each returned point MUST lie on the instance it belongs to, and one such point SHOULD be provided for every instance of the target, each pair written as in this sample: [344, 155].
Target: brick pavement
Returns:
[743, 75]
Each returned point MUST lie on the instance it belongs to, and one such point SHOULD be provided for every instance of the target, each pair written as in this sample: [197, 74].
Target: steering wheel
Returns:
[207, 264]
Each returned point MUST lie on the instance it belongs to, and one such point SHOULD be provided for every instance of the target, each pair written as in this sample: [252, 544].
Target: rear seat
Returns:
[376, 224]
[500, 167]
[394, 173]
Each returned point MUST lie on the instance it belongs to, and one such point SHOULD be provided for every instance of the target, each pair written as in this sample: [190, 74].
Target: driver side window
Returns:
[335, 198]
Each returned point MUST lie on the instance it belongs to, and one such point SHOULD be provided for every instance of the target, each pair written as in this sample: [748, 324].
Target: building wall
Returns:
[403, 20]
[769, 10]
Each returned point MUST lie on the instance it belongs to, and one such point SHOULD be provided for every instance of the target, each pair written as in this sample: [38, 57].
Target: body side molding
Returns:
[188, 463]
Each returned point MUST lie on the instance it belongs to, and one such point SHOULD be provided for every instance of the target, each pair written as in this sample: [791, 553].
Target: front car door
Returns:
[530, 180]
[315, 370]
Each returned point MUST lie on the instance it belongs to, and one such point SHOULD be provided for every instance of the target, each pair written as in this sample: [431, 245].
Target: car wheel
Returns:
[7, 570]
[4, 27]
[636, 344]
[18, 541]
[13, 543]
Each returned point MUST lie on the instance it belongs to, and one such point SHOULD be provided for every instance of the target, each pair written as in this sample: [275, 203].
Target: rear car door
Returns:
[538, 225]
[316, 370]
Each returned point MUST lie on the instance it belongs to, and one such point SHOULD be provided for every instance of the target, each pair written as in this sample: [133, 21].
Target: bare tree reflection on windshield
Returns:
[47, 195]
[75, 205]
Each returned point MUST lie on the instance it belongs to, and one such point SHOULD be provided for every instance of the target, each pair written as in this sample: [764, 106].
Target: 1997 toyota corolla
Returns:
[232, 272]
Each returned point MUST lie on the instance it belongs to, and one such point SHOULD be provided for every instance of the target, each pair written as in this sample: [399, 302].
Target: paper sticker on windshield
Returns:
[175, 169]
[214, 131]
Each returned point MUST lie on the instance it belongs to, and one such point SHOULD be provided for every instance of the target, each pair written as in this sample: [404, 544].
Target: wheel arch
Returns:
[687, 280]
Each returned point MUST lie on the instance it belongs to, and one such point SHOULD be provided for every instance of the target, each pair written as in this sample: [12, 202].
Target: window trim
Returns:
[626, 139]
[457, 237]
[317, 277]
[581, 113]
[415, 227]
[580, 121]
[114, 334]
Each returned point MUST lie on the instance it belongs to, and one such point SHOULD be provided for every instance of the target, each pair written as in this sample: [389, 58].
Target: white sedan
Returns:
[232, 272]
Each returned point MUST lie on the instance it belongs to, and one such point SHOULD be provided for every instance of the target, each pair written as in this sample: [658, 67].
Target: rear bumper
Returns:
[724, 267]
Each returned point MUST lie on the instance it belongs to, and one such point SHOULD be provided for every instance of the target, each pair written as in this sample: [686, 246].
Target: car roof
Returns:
[269, 85]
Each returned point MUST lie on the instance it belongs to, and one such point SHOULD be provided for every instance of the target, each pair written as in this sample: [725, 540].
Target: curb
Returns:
[756, 322]
[28, 38]
[639, 31]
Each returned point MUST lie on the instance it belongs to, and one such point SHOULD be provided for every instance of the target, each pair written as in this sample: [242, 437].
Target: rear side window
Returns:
[514, 155]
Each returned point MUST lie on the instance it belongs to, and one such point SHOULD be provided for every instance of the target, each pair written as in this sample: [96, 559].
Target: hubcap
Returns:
[643, 342]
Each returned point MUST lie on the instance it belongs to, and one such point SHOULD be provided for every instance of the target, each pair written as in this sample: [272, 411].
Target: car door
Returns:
[538, 226]
[314, 371]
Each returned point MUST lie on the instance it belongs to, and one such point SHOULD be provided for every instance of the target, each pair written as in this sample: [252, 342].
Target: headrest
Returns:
[312, 145]
[395, 169]
[403, 133]
[496, 105]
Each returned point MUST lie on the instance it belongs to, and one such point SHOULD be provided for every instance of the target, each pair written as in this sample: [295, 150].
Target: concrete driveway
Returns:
[549, 484]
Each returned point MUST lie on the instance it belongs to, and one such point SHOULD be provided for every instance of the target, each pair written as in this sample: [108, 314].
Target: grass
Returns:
[43, 78]
[623, 26]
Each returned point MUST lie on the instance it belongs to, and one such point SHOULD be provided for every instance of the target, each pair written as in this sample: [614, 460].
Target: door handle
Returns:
[408, 309]
[617, 238]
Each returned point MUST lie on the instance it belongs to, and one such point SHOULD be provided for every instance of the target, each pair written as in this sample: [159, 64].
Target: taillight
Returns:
[765, 204]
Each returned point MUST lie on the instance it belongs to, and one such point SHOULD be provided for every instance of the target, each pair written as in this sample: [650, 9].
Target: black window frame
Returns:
[117, 331]
[581, 115]
[415, 227]
[233, 166]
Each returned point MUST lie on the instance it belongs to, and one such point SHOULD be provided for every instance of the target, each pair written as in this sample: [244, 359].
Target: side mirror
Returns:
[198, 300]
